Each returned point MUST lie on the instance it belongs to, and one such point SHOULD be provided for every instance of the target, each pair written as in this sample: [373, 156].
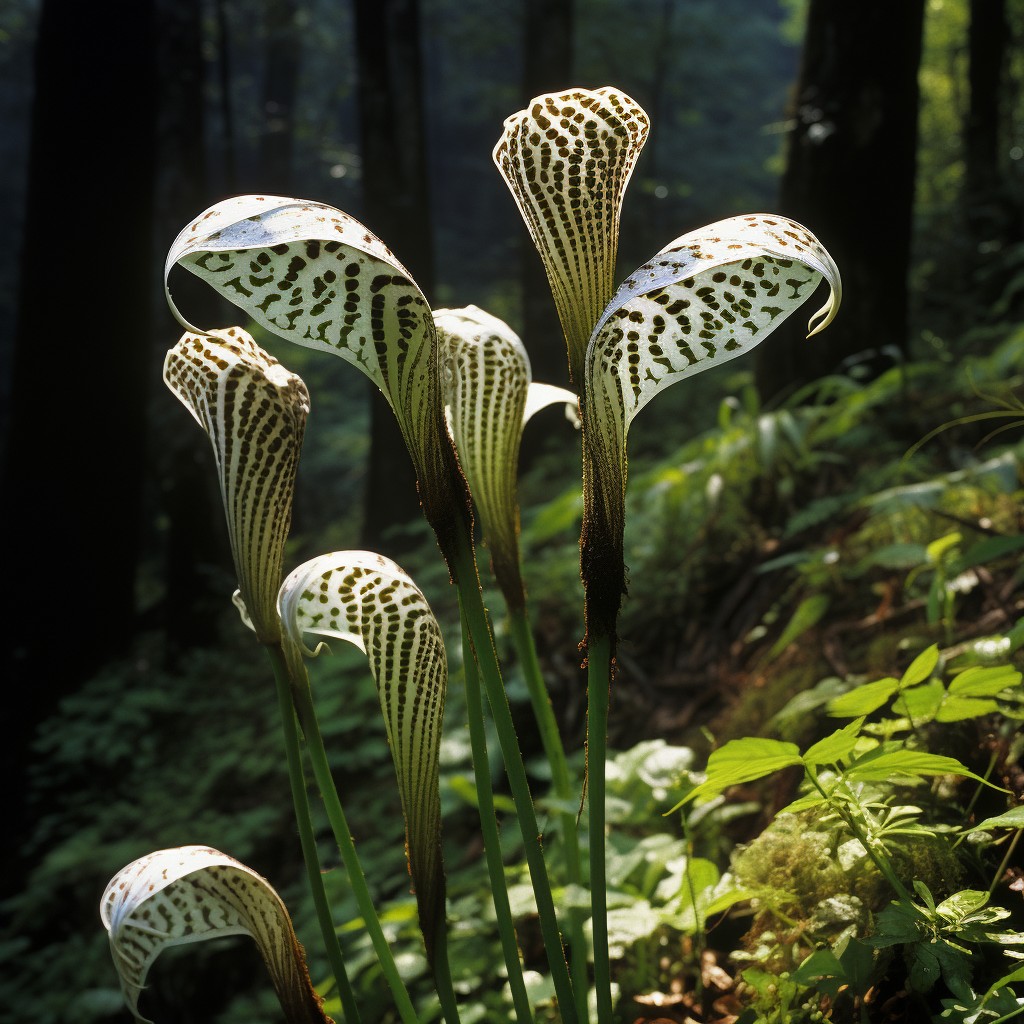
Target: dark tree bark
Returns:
[72, 476]
[280, 83]
[850, 179]
[993, 212]
[195, 543]
[547, 67]
[396, 207]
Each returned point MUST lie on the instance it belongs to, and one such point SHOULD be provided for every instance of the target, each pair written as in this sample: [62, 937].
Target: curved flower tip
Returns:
[192, 893]
[567, 159]
[315, 276]
[254, 411]
[706, 298]
[368, 600]
[489, 397]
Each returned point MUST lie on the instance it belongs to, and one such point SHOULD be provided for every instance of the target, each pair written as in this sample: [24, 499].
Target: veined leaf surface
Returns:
[367, 600]
[254, 411]
[192, 893]
[567, 159]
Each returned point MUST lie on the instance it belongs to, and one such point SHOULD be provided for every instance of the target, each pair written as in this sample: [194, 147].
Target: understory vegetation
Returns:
[814, 807]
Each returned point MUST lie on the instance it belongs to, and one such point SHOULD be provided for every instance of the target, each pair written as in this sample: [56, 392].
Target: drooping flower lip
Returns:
[192, 893]
[708, 297]
[567, 159]
[317, 277]
[254, 411]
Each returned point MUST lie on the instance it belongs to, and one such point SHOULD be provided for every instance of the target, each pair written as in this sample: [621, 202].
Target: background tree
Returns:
[849, 176]
[74, 462]
[396, 207]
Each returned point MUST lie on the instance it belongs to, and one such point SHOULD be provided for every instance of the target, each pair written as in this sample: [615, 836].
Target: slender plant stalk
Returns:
[307, 839]
[300, 693]
[489, 827]
[443, 974]
[1007, 857]
[472, 607]
[598, 687]
[522, 639]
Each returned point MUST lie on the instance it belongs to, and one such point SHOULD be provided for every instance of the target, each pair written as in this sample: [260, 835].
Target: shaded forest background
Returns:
[896, 132]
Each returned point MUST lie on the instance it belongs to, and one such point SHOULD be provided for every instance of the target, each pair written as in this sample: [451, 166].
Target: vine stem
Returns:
[472, 607]
[307, 839]
[489, 827]
[294, 674]
[526, 649]
[599, 665]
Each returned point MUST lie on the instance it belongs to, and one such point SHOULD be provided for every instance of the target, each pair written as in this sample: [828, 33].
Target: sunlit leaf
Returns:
[487, 391]
[192, 893]
[921, 667]
[254, 411]
[881, 764]
[567, 159]
[740, 761]
[369, 601]
[708, 297]
[316, 276]
[1013, 818]
[864, 699]
[835, 747]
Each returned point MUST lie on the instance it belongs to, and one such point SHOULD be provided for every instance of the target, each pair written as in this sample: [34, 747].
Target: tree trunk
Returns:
[72, 476]
[280, 83]
[396, 207]
[993, 213]
[850, 179]
[547, 67]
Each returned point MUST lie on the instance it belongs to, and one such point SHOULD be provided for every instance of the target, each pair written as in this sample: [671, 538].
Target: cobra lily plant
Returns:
[459, 384]
[708, 296]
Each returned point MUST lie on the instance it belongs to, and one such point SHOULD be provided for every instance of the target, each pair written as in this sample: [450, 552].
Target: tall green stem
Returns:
[295, 673]
[489, 827]
[598, 687]
[307, 839]
[472, 607]
[522, 638]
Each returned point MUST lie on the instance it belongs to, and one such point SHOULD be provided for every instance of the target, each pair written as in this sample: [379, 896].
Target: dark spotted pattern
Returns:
[317, 277]
[567, 159]
[254, 411]
[709, 296]
[193, 893]
[368, 600]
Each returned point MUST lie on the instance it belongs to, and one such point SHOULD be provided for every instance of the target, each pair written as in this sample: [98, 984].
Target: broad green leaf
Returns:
[835, 747]
[864, 699]
[254, 411]
[317, 277]
[920, 703]
[487, 390]
[742, 760]
[962, 904]
[985, 682]
[808, 613]
[882, 763]
[1013, 818]
[921, 667]
[567, 158]
[369, 601]
[961, 709]
[192, 893]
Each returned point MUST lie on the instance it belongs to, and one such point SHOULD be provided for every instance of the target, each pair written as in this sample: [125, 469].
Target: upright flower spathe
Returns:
[254, 411]
[369, 601]
[567, 159]
[489, 397]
